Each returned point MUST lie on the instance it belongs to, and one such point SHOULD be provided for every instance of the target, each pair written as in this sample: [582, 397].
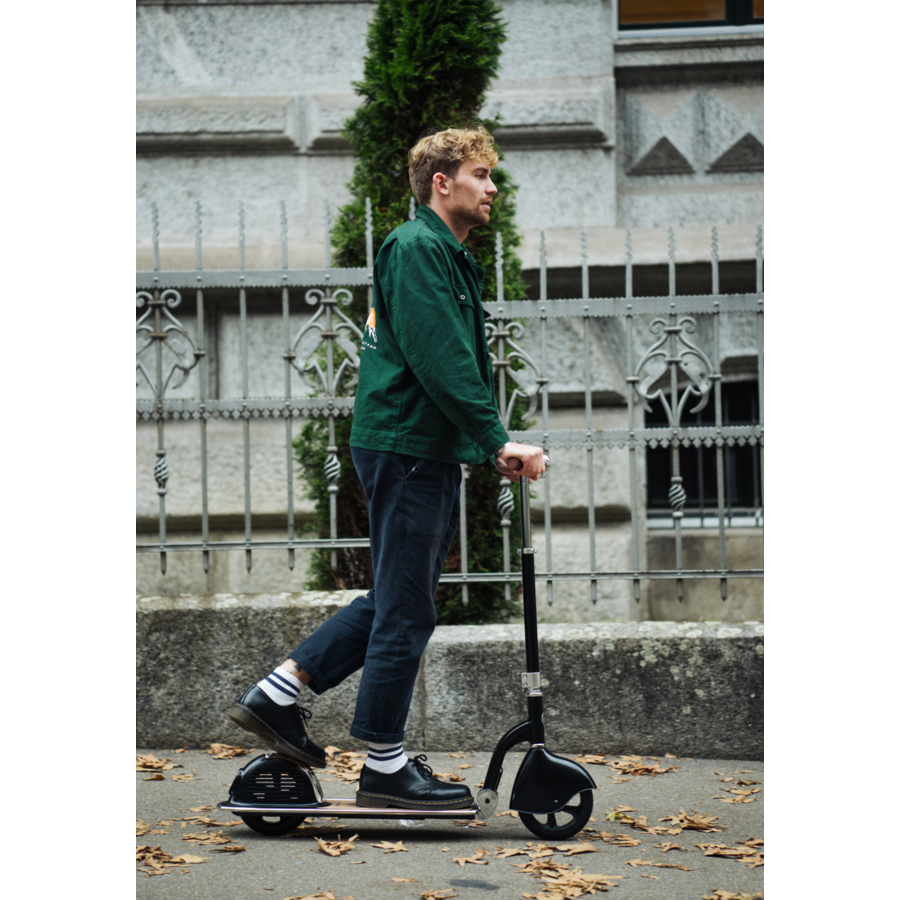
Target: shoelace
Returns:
[304, 713]
[419, 763]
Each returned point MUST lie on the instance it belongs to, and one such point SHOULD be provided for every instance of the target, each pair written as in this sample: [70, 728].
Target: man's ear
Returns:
[439, 182]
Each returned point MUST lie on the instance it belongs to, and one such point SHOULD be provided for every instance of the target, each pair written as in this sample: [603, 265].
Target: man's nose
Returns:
[490, 188]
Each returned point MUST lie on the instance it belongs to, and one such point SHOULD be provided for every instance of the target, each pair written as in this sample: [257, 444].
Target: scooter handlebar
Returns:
[515, 459]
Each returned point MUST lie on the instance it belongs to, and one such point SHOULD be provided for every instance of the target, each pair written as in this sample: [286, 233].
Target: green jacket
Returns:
[426, 385]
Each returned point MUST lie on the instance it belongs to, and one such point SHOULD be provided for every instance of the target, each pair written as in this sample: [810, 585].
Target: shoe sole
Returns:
[384, 800]
[250, 721]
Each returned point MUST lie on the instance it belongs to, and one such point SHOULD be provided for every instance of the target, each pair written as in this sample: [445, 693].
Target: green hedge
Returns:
[428, 66]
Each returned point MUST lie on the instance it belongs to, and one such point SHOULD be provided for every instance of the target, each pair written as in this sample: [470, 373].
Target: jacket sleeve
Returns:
[431, 331]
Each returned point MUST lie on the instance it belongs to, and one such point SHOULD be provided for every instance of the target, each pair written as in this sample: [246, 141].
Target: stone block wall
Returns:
[648, 688]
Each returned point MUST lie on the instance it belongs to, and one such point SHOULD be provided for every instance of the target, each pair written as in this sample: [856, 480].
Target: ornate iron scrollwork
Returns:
[319, 330]
[689, 359]
[526, 380]
[167, 333]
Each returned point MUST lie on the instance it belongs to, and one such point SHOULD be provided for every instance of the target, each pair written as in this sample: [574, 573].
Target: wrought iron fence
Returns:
[663, 364]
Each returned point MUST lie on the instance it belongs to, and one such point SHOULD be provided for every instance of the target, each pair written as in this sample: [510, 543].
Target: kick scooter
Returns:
[273, 794]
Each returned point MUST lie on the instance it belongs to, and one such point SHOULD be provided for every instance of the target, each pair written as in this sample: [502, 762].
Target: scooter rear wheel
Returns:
[563, 824]
[272, 825]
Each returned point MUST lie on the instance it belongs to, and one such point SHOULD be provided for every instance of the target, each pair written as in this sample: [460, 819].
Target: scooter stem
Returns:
[532, 659]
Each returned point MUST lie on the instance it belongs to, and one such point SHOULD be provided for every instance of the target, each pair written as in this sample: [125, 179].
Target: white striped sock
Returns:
[281, 686]
[386, 758]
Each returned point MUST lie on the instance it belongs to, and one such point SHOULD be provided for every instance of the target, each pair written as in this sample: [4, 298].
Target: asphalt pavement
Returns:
[422, 859]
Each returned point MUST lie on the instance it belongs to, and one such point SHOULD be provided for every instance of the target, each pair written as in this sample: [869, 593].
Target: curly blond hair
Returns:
[443, 152]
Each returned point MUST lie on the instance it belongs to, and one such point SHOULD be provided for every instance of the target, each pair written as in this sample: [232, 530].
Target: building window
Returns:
[741, 465]
[635, 15]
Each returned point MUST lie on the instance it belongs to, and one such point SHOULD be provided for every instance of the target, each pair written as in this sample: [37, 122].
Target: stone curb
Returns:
[619, 687]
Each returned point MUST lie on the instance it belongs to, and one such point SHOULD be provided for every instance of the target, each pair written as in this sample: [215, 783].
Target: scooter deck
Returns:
[347, 808]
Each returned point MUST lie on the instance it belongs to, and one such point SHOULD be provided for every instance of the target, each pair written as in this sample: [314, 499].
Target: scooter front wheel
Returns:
[565, 823]
[272, 825]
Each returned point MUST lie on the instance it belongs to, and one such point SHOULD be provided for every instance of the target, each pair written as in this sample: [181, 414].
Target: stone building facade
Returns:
[605, 132]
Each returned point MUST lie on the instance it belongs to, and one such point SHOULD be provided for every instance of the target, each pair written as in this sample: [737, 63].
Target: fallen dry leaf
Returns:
[141, 827]
[651, 876]
[504, 852]
[388, 847]
[345, 765]
[157, 862]
[207, 809]
[476, 859]
[562, 883]
[404, 879]
[207, 837]
[149, 763]
[728, 895]
[235, 849]
[594, 759]
[510, 812]
[208, 822]
[742, 796]
[670, 846]
[156, 777]
[338, 847]
[224, 751]
[438, 895]
[618, 840]
[324, 895]
[641, 824]
[540, 852]
[649, 862]
[470, 823]
[747, 854]
[692, 821]
[573, 849]
[617, 813]
[724, 850]
[189, 858]
[467, 766]
[185, 776]
[181, 750]
[457, 755]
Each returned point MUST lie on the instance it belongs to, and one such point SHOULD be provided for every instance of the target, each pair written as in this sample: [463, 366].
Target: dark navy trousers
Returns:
[413, 514]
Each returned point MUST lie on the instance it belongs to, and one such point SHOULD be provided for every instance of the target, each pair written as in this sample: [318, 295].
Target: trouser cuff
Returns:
[376, 737]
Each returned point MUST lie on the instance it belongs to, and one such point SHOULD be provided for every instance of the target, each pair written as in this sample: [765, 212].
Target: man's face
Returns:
[471, 194]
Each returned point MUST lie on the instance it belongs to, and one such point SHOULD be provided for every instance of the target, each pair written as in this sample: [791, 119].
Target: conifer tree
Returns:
[428, 67]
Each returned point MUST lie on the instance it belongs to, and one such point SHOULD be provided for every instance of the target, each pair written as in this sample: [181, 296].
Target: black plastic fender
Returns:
[545, 782]
[271, 781]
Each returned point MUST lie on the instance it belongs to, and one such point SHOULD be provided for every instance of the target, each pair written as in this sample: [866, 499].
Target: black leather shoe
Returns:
[280, 727]
[412, 787]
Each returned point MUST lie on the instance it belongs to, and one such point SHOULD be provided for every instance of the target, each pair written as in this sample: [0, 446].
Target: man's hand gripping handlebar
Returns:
[519, 460]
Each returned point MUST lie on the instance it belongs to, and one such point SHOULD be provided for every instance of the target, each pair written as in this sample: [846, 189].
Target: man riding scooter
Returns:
[424, 406]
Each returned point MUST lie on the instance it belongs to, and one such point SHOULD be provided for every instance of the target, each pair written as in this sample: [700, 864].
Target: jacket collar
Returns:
[439, 227]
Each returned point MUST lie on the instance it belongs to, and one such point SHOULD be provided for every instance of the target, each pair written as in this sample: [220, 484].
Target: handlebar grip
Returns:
[519, 461]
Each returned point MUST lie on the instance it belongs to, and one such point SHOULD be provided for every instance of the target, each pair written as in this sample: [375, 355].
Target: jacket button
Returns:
[462, 296]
